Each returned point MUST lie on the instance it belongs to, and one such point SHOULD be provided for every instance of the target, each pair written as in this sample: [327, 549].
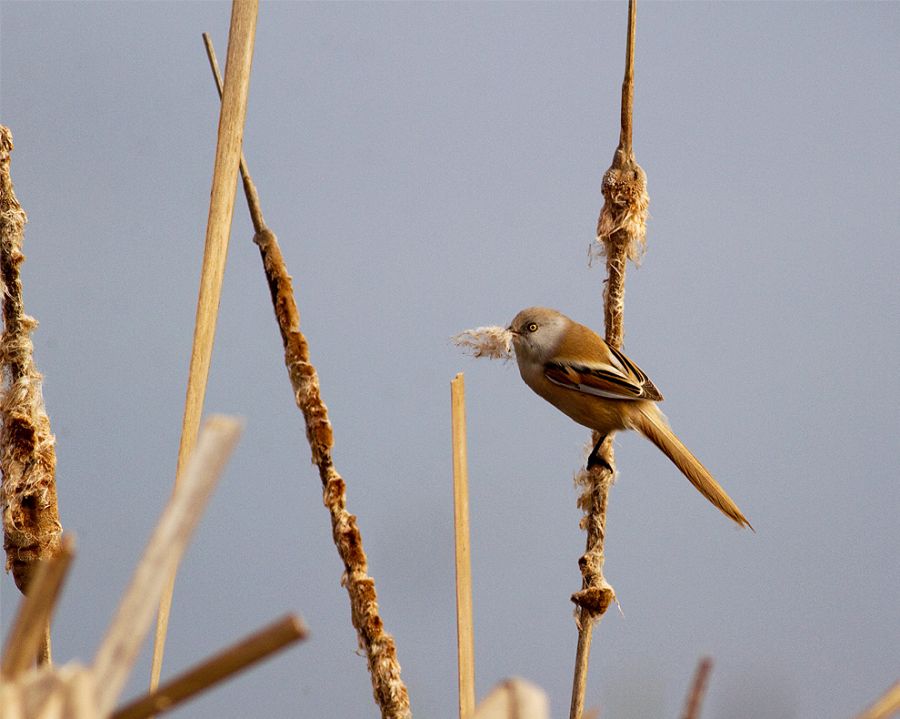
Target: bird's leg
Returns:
[594, 459]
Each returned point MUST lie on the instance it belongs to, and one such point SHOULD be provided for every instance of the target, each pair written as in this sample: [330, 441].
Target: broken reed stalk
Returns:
[223, 665]
[698, 689]
[125, 636]
[218, 228]
[26, 635]
[886, 706]
[464, 630]
[381, 653]
[621, 232]
[31, 528]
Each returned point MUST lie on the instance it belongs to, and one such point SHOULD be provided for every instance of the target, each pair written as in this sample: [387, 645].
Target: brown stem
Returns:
[628, 83]
[697, 690]
[620, 232]
[388, 688]
[381, 654]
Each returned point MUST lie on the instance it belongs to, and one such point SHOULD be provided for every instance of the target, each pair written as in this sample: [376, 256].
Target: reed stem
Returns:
[123, 640]
[388, 689]
[218, 228]
[28, 631]
[464, 629]
[886, 706]
[621, 230]
[698, 689]
[223, 665]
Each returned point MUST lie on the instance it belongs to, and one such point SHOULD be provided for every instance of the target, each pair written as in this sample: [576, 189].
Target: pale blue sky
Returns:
[434, 167]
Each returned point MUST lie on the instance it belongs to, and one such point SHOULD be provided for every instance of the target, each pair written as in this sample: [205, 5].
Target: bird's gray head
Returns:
[537, 333]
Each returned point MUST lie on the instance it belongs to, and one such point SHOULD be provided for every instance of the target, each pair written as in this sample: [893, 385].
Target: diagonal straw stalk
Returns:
[210, 672]
[221, 205]
[381, 654]
[886, 706]
[25, 636]
[119, 650]
[621, 234]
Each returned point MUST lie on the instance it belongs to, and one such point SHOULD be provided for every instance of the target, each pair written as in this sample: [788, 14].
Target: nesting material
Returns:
[31, 528]
[491, 342]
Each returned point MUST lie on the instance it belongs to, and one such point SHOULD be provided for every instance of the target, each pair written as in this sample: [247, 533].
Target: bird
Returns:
[595, 384]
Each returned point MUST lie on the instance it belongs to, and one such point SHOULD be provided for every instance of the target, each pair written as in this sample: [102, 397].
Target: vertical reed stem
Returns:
[464, 629]
[621, 232]
[218, 228]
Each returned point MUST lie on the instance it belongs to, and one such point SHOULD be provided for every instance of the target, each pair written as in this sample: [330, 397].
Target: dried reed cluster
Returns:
[31, 528]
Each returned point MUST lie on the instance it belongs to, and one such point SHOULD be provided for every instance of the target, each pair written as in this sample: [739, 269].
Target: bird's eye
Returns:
[532, 327]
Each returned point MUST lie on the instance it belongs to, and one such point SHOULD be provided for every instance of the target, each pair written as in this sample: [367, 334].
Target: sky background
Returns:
[434, 167]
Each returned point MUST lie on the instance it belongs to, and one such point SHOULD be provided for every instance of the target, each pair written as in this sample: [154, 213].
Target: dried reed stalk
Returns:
[887, 705]
[27, 632]
[464, 630]
[621, 233]
[31, 528]
[698, 689]
[129, 626]
[223, 665]
[381, 654]
[221, 205]
[47, 693]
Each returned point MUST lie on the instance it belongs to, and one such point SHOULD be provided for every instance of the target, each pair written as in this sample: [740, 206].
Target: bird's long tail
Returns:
[650, 423]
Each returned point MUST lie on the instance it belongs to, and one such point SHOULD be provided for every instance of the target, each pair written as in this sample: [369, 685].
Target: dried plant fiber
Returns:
[491, 342]
[381, 653]
[31, 528]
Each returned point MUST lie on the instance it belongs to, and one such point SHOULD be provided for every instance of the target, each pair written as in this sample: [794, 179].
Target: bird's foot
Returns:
[595, 459]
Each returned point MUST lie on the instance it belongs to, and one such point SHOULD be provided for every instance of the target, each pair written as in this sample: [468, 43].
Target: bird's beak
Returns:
[511, 330]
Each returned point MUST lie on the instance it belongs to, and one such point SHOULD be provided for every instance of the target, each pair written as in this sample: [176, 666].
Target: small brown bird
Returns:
[571, 367]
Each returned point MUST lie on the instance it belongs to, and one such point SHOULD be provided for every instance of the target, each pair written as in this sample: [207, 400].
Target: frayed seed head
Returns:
[624, 214]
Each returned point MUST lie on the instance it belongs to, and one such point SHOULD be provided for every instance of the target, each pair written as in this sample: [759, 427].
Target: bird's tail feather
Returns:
[650, 423]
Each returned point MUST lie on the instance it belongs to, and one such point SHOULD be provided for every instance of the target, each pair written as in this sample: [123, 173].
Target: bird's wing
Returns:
[618, 379]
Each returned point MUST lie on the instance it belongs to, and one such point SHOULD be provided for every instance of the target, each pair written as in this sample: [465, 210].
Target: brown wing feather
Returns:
[586, 363]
